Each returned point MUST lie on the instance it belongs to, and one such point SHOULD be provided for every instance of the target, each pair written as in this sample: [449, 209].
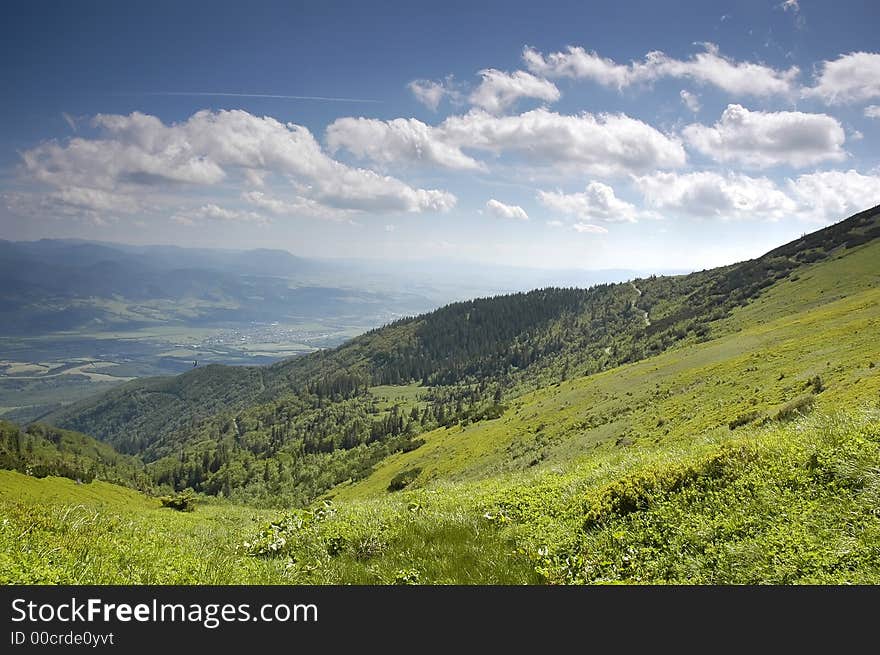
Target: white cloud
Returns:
[690, 100]
[139, 155]
[502, 210]
[214, 212]
[708, 67]
[91, 205]
[499, 90]
[762, 139]
[707, 194]
[849, 78]
[580, 64]
[255, 177]
[790, 4]
[389, 227]
[587, 228]
[819, 197]
[833, 195]
[96, 200]
[597, 202]
[297, 207]
[396, 141]
[872, 111]
[606, 144]
[555, 223]
[430, 93]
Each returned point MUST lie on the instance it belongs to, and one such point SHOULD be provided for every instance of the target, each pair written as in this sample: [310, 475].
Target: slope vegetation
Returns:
[284, 434]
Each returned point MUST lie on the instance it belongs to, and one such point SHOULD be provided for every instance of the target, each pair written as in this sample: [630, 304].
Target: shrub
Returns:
[743, 419]
[637, 491]
[182, 502]
[412, 444]
[794, 408]
[403, 479]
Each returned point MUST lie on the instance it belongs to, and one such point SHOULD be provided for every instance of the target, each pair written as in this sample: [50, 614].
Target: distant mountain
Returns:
[62, 285]
[302, 425]
[49, 286]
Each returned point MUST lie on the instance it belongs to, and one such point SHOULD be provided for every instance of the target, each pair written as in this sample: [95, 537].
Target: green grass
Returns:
[54, 531]
[404, 396]
[784, 503]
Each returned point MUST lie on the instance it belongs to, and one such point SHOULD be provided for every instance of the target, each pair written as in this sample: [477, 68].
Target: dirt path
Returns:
[644, 313]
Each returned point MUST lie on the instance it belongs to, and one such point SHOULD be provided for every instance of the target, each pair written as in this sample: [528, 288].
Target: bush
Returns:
[403, 479]
[743, 419]
[182, 502]
[412, 444]
[794, 408]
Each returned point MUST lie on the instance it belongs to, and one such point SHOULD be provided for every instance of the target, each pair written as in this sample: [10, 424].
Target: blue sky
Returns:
[645, 135]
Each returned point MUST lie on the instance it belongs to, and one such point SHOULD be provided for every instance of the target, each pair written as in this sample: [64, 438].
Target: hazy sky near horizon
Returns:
[646, 135]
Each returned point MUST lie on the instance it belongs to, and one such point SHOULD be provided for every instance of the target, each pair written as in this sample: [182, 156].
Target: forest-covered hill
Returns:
[286, 433]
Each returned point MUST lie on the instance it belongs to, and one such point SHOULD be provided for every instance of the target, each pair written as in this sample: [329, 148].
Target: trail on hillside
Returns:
[639, 295]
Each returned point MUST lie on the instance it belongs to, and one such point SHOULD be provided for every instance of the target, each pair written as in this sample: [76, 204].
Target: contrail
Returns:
[255, 95]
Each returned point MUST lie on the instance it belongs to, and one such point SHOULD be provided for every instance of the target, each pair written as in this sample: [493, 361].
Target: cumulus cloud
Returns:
[597, 202]
[872, 111]
[820, 197]
[431, 93]
[762, 139]
[604, 144]
[578, 63]
[598, 144]
[849, 78]
[709, 194]
[137, 154]
[707, 67]
[690, 100]
[501, 210]
[396, 141]
[498, 90]
[832, 195]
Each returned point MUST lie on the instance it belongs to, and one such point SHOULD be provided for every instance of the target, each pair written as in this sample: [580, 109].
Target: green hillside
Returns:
[284, 434]
[731, 435]
[43, 450]
[749, 376]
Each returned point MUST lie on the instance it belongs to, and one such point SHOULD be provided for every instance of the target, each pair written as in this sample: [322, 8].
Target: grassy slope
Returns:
[637, 478]
[686, 392]
[55, 531]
